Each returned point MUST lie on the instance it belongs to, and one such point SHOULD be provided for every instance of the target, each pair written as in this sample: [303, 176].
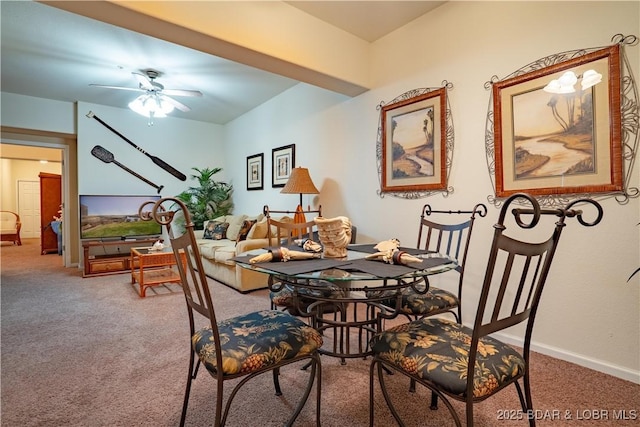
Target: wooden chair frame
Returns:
[509, 296]
[13, 236]
[287, 232]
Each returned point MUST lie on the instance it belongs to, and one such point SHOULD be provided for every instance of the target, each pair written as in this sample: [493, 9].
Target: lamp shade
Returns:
[151, 106]
[299, 183]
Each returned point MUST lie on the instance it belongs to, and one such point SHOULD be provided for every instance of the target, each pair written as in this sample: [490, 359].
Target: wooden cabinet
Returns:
[112, 257]
[50, 202]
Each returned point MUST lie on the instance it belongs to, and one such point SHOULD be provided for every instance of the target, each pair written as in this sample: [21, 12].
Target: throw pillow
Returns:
[244, 230]
[235, 222]
[216, 230]
[259, 230]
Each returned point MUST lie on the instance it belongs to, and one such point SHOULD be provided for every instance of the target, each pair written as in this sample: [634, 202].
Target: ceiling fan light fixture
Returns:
[147, 104]
[151, 106]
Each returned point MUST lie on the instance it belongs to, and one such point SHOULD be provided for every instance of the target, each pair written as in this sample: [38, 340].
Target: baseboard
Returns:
[578, 359]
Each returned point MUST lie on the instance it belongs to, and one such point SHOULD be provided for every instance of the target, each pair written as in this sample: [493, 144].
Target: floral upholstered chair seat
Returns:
[243, 338]
[418, 349]
[435, 300]
[284, 297]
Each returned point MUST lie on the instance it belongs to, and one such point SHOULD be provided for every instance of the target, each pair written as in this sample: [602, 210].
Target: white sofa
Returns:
[217, 255]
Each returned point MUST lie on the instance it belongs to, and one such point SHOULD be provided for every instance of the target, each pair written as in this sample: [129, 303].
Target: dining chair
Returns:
[242, 347]
[285, 232]
[448, 235]
[301, 301]
[468, 364]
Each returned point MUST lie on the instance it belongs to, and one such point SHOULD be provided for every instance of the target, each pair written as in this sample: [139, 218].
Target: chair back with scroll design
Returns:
[241, 347]
[516, 273]
[449, 235]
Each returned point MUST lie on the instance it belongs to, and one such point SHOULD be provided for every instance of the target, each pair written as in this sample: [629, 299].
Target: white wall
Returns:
[305, 116]
[183, 144]
[21, 170]
[37, 113]
[589, 313]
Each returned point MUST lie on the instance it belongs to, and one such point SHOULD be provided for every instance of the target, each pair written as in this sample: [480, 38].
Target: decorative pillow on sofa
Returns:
[216, 230]
[259, 230]
[235, 222]
[244, 230]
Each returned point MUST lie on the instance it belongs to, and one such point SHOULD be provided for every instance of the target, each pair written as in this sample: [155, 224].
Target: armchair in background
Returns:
[10, 227]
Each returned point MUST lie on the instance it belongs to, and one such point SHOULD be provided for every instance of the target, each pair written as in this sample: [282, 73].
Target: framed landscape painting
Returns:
[283, 160]
[414, 143]
[255, 172]
[557, 130]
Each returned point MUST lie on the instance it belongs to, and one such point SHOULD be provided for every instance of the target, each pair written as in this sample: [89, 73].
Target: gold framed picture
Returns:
[557, 129]
[414, 143]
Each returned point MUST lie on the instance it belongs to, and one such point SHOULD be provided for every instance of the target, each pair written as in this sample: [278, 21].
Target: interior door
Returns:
[29, 208]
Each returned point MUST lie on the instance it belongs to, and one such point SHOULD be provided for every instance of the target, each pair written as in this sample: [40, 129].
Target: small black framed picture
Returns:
[283, 160]
[255, 172]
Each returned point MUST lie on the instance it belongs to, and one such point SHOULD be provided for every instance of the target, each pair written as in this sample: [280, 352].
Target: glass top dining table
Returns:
[348, 298]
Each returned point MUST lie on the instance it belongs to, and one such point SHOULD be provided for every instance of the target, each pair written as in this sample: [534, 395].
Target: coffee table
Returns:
[151, 267]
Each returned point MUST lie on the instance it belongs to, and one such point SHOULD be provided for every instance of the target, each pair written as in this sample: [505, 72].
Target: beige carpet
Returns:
[91, 352]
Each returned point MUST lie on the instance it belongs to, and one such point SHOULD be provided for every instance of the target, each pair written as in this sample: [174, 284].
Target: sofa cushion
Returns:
[216, 230]
[208, 248]
[225, 255]
[235, 223]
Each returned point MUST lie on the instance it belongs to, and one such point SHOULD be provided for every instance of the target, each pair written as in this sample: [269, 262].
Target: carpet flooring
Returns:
[90, 352]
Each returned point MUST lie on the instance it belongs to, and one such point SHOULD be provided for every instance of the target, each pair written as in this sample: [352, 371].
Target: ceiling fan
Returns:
[154, 94]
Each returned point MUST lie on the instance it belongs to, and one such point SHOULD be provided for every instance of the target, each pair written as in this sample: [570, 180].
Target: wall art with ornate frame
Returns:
[255, 172]
[415, 143]
[283, 160]
[565, 126]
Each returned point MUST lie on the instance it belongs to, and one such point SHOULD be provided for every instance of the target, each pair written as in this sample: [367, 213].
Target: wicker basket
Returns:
[335, 235]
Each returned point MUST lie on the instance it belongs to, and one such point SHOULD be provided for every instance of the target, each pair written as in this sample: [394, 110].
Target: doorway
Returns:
[63, 148]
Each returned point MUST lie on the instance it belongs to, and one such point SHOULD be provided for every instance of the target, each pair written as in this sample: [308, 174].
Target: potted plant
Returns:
[210, 199]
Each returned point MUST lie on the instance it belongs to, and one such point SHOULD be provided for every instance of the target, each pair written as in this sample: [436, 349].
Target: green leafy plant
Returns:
[210, 199]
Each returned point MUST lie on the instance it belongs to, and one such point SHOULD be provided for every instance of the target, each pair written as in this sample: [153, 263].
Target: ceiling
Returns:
[51, 53]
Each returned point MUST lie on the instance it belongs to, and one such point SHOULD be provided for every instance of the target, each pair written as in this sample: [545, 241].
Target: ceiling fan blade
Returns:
[179, 105]
[145, 82]
[181, 92]
[134, 89]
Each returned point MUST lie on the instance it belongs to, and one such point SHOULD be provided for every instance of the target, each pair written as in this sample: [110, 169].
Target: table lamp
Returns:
[299, 182]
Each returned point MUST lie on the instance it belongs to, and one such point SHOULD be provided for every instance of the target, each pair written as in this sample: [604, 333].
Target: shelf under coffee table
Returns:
[153, 267]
